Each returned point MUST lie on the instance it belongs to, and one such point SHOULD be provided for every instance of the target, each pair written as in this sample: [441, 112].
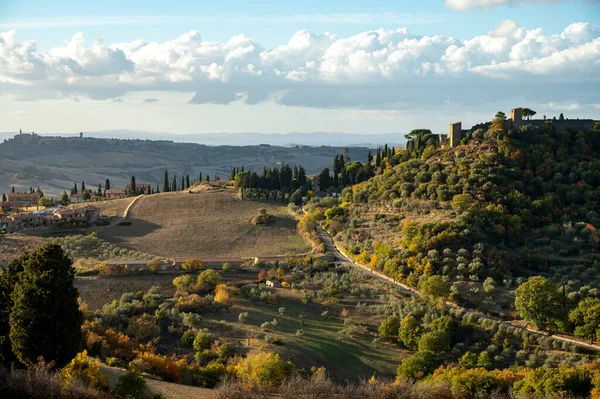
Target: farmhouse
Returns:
[113, 193]
[24, 199]
[87, 213]
[139, 188]
[273, 284]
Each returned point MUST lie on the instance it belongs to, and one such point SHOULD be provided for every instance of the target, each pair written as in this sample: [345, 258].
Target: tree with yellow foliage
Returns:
[86, 370]
[222, 294]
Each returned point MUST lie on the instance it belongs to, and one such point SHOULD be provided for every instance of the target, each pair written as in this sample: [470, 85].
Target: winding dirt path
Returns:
[131, 204]
[344, 259]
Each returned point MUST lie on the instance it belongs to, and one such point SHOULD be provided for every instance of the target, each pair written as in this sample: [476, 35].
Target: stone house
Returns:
[23, 199]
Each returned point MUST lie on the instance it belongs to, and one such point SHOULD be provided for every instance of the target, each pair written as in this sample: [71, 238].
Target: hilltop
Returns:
[496, 207]
[204, 224]
[54, 163]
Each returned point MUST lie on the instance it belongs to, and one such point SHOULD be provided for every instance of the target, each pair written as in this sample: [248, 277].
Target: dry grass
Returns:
[110, 208]
[214, 224]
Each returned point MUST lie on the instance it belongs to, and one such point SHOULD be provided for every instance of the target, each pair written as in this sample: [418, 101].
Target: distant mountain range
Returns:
[242, 139]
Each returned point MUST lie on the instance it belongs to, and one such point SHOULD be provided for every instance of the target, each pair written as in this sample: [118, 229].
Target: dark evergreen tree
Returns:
[182, 183]
[132, 186]
[561, 117]
[200, 178]
[324, 179]
[99, 193]
[369, 157]
[187, 181]
[82, 186]
[13, 189]
[232, 175]
[3, 197]
[45, 320]
[74, 189]
[166, 182]
[174, 183]
[207, 178]
[107, 184]
[8, 279]
[378, 158]
[157, 190]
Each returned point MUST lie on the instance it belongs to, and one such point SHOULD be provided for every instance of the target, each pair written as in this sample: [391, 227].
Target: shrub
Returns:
[243, 317]
[86, 370]
[388, 329]
[131, 385]
[202, 340]
[418, 365]
[192, 264]
[143, 328]
[208, 280]
[260, 369]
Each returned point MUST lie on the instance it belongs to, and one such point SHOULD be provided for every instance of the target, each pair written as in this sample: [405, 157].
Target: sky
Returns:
[295, 66]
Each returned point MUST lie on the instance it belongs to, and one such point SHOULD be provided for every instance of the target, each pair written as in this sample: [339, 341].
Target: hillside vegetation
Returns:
[215, 224]
[505, 205]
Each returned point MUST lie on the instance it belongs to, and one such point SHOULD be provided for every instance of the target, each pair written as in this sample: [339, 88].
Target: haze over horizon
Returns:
[195, 67]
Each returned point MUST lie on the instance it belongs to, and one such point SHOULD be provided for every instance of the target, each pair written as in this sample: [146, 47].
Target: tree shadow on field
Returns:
[118, 234]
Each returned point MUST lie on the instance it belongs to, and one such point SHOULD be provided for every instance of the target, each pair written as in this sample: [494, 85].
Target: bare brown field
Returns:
[110, 208]
[205, 224]
[14, 245]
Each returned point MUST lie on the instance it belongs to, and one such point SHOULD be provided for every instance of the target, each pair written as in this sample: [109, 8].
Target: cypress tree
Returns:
[82, 186]
[73, 190]
[157, 190]
[132, 186]
[45, 320]
[207, 178]
[200, 177]
[232, 175]
[99, 189]
[182, 183]
[13, 189]
[107, 184]
[187, 181]
[174, 183]
[166, 182]
[8, 279]
[3, 197]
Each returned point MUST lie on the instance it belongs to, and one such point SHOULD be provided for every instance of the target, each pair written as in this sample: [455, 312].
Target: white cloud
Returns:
[462, 5]
[380, 69]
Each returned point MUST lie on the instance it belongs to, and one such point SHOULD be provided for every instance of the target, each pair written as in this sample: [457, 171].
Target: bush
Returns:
[131, 385]
[143, 328]
[260, 369]
[86, 370]
[202, 341]
[418, 365]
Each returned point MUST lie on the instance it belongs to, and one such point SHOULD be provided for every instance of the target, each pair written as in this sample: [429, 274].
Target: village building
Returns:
[24, 199]
[273, 284]
[88, 213]
[139, 188]
[113, 193]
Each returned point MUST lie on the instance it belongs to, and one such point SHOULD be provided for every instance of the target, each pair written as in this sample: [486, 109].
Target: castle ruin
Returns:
[516, 115]
[455, 134]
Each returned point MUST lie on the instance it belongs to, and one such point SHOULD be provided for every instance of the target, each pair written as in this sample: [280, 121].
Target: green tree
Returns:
[468, 360]
[528, 113]
[434, 341]
[107, 184]
[82, 186]
[13, 188]
[182, 183]
[418, 366]
[208, 279]
[3, 197]
[484, 360]
[45, 320]
[409, 332]
[388, 329]
[64, 199]
[174, 184]
[8, 278]
[539, 302]
[561, 117]
[586, 318]
[187, 181]
[434, 287]
[132, 186]
[166, 182]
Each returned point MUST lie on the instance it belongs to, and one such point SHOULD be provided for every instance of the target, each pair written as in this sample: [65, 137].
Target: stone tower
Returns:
[516, 115]
[455, 134]
[443, 138]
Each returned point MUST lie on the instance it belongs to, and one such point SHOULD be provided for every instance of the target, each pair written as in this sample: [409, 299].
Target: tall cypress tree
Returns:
[45, 320]
[107, 184]
[174, 183]
[200, 177]
[187, 181]
[182, 183]
[82, 186]
[133, 186]
[166, 182]
[157, 190]
[8, 278]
